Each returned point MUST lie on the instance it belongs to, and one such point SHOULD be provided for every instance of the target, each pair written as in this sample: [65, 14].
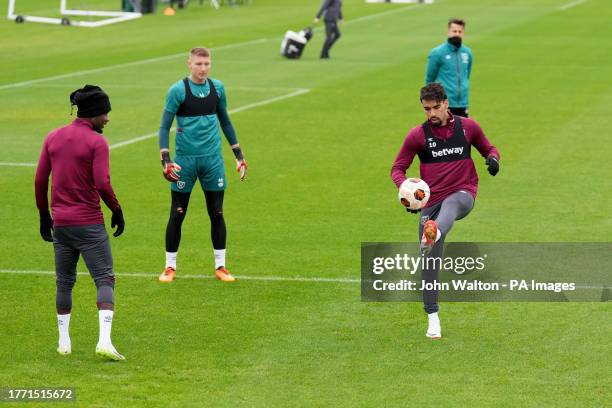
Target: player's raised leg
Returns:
[455, 207]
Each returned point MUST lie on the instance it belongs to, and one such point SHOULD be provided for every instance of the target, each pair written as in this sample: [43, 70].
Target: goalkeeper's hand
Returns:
[171, 169]
[241, 167]
[492, 165]
[241, 164]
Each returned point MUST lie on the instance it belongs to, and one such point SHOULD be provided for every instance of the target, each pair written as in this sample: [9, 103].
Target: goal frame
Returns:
[112, 17]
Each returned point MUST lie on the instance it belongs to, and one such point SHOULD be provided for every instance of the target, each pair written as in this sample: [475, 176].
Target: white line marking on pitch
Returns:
[271, 100]
[253, 278]
[123, 65]
[18, 164]
[572, 4]
[383, 14]
[154, 276]
[231, 111]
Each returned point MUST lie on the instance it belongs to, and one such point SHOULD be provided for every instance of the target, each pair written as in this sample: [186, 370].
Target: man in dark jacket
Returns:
[450, 64]
[333, 18]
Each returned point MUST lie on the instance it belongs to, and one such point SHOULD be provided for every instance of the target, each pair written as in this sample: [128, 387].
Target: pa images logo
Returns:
[180, 184]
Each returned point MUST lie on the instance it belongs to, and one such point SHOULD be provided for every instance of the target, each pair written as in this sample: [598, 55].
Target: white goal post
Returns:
[111, 16]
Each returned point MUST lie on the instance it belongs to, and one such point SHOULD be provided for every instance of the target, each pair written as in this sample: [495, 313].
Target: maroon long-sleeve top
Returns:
[444, 177]
[77, 157]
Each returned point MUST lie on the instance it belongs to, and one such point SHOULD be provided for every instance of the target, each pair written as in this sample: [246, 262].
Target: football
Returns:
[414, 193]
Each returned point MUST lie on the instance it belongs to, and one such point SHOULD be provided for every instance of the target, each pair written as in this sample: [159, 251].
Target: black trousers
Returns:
[332, 34]
[178, 211]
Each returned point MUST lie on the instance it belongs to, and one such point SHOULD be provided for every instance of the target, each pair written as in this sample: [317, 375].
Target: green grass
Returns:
[318, 186]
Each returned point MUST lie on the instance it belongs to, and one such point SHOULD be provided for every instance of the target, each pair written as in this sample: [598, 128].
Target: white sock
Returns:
[171, 260]
[63, 325]
[434, 328]
[219, 258]
[106, 323]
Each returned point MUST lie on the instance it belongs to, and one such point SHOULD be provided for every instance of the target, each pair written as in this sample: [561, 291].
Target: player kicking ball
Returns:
[200, 106]
[443, 144]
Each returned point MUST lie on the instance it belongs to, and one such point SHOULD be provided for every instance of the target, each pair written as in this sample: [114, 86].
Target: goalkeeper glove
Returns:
[241, 164]
[492, 165]
[171, 169]
[118, 221]
[46, 227]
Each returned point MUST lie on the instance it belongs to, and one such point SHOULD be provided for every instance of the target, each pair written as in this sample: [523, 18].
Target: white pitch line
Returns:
[154, 276]
[136, 139]
[18, 164]
[123, 65]
[271, 100]
[572, 4]
[239, 277]
[383, 14]
[231, 111]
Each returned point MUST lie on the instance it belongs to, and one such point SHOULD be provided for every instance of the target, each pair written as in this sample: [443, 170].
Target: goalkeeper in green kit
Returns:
[200, 106]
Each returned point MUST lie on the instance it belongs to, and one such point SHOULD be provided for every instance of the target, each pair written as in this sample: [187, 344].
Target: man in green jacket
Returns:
[450, 64]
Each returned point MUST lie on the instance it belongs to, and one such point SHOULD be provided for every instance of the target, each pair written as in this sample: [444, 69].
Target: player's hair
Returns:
[457, 21]
[433, 92]
[199, 52]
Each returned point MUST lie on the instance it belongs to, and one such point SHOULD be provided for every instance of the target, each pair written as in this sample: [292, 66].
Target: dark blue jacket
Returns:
[332, 10]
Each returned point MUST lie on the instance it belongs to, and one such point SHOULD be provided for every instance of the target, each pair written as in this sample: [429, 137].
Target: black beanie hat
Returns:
[91, 100]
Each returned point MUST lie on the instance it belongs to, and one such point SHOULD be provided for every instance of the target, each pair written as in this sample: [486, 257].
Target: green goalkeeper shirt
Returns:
[199, 135]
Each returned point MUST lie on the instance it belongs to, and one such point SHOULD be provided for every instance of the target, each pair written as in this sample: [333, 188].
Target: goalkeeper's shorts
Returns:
[208, 169]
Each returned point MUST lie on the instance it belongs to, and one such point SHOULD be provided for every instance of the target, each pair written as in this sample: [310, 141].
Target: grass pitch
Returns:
[320, 137]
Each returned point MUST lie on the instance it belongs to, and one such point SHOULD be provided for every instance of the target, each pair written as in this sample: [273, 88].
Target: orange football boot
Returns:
[168, 275]
[430, 233]
[224, 275]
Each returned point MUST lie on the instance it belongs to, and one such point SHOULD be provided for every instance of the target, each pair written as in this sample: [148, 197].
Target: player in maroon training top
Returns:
[443, 144]
[77, 158]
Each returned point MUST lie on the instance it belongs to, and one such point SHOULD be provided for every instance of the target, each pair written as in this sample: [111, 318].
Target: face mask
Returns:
[456, 41]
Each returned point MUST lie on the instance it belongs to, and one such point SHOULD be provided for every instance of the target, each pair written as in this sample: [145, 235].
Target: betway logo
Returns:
[446, 152]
